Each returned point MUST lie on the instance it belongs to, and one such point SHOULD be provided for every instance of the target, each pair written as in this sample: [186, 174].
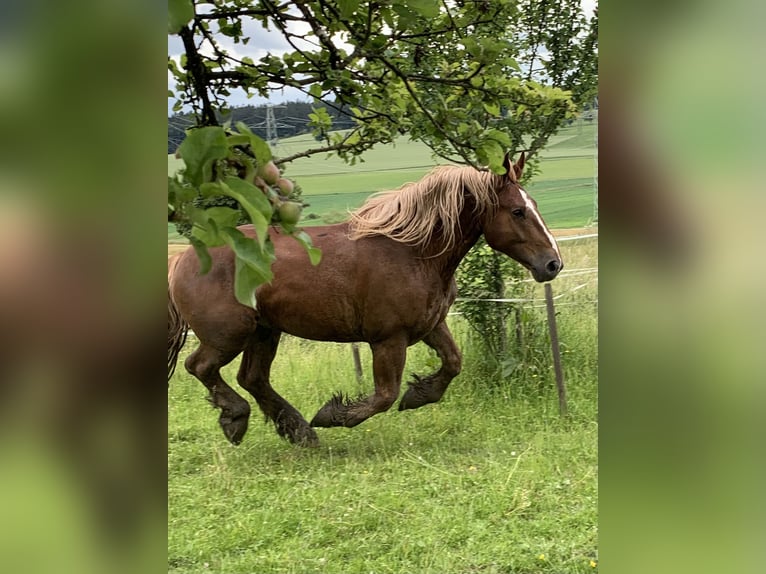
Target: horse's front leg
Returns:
[388, 359]
[254, 372]
[431, 388]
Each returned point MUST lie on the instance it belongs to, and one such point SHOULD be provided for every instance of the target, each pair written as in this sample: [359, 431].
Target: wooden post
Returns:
[555, 349]
[519, 332]
[357, 361]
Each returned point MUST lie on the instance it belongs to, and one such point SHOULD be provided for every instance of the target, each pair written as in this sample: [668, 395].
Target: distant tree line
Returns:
[291, 119]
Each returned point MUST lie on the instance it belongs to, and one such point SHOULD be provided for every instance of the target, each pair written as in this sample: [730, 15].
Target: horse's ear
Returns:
[508, 163]
[518, 168]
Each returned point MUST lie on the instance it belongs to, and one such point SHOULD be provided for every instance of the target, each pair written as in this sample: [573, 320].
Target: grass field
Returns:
[563, 189]
[489, 480]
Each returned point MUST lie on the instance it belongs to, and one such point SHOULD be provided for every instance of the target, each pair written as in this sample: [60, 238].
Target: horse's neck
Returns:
[467, 235]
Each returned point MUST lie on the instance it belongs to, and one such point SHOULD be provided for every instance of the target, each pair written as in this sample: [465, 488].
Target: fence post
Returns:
[555, 349]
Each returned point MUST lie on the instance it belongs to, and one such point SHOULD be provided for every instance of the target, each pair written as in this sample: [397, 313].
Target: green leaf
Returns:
[314, 253]
[257, 206]
[216, 218]
[511, 63]
[426, 8]
[238, 139]
[492, 108]
[180, 13]
[252, 265]
[205, 261]
[501, 137]
[207, 233]
[260, 148]
[245, 283]
[320, 121]
[179, 194]
[490, 152]
[200, 150]
[407, 17]
[211, 189]
[316, 91]
[471, 46]
[347, 7]
[352, 138]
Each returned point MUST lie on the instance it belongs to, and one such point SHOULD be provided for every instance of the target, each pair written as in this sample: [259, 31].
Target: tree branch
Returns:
[198, 72]
[312, 151]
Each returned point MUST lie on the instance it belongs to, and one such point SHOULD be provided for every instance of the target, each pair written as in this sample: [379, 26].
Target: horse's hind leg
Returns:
[431, 388]
[205, 364]
[254, 376]
[388, 359]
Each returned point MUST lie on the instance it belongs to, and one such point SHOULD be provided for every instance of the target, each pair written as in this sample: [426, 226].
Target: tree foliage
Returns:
[493, 289]
[471, 79]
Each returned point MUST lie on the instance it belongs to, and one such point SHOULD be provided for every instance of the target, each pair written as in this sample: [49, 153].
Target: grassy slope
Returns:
[563, 189]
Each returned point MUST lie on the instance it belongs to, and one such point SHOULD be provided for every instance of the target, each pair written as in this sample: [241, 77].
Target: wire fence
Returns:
[538, 301]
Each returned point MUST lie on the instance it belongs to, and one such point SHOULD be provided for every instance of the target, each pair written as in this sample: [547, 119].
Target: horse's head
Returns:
[517, 229]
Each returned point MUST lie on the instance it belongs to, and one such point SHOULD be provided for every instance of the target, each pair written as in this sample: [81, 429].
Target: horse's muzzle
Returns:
[554, 266]
[548, 271]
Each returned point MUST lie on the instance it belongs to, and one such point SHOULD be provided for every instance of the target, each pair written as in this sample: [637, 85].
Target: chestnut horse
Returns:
[386, 277]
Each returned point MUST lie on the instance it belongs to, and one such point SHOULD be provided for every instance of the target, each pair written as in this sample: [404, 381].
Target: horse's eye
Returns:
[519, 212]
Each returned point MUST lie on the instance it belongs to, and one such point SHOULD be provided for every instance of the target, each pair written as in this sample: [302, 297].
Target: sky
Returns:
[262, 42]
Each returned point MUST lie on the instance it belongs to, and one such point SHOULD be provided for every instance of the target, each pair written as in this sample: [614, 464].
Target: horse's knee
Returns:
[452, 363]
[195, 366]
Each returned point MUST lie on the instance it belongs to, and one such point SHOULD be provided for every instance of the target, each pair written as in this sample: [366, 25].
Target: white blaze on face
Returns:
[533, 210]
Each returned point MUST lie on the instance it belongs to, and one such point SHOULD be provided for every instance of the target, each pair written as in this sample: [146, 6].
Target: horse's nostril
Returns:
[553, 266]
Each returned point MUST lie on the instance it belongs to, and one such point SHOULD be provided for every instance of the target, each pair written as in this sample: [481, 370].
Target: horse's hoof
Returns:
[305, 438]
[405, 404]
[332, 413]
[234, 429]
[414, 397]
[410, 400]
[297, 431]
[422, 391]
[324, 418]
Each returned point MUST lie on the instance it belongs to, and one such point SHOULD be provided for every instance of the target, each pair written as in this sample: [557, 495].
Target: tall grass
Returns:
[489, 480]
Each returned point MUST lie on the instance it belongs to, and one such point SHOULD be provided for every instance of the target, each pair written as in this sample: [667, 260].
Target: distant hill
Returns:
[291, 119]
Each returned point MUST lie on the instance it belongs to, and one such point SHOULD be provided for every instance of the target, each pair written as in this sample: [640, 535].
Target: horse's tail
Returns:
[177, 327]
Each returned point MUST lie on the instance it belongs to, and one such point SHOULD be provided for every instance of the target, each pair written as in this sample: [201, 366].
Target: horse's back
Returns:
[362, 290]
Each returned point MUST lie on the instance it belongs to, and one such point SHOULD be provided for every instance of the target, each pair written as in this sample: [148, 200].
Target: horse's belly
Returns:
[412, 316]
[346, 320]
[308, 317]
[316, 331]
[354, 294]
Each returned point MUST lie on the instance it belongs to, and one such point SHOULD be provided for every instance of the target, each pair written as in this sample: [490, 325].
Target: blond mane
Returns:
[413, 212]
